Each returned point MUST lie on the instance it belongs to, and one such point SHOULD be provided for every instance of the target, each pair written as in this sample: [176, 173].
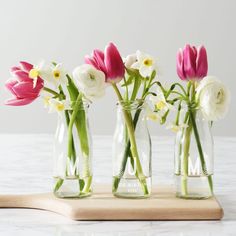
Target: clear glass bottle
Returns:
[72, 155]
[194, 156]
[131, 152]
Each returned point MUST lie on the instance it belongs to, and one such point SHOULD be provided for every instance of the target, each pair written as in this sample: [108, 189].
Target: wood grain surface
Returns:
[162, 205]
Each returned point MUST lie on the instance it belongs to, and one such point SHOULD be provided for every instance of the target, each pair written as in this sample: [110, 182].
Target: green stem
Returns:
[51, 91]
[133, 146]
[70, 127]
[137, 84]
[187, 139]
[201, 154]
[116, 180]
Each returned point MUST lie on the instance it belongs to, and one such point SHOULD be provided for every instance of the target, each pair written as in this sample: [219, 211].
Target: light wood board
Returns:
[162, 205]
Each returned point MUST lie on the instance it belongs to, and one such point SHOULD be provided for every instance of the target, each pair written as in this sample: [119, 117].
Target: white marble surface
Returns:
[25, 167]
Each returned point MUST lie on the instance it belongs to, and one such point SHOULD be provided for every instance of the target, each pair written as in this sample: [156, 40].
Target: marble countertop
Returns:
[26, 167]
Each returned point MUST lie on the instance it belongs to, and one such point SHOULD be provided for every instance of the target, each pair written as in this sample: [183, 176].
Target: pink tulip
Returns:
[109, 62]
[192, 63]
[22, 87]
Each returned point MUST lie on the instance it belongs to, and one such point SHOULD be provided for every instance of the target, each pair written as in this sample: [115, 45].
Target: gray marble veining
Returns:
[26, 167]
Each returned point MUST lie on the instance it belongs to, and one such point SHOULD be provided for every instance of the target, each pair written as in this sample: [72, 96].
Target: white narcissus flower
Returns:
[159, 102]
[213, 97]
[145, 64]
[38, 70]
[57, 75]
[151, 115]
[56, 105]
[54, 74]
[90, 81]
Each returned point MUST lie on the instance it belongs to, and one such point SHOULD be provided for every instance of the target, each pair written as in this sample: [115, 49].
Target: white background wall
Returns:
[66, 30]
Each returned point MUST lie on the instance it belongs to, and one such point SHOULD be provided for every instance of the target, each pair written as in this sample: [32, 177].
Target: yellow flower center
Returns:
[56, 74]
[148, 62]
[160, 105]
[34, 73]
[60, 107]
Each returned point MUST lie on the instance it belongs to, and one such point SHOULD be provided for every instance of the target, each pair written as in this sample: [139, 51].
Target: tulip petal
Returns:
[201, 63]
[189, 57]
[19, 102]
[26, 66]
[91, 61]
[22, 75]
[113, 62]
[10, 84]
[15, 68]
[180, 65]
[98, 56]
[25, 89]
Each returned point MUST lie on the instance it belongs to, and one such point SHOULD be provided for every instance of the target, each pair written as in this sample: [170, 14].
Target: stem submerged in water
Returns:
[132, 146]
[200, 151]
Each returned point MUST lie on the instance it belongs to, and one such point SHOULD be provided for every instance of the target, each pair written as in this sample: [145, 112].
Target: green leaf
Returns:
[81, 184]
[58, 185]
[72, 89]
[137, 83]
[129, 81]
[153, 75]
[131, 72]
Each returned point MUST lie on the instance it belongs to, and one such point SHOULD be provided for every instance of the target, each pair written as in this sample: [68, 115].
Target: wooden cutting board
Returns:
[163, 205]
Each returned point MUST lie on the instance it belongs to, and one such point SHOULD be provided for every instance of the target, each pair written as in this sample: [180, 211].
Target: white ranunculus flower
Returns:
[90, 81]
[145, 64]
[213, 97]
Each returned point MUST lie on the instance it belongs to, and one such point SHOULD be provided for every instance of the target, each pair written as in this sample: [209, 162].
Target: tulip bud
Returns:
[191, 63]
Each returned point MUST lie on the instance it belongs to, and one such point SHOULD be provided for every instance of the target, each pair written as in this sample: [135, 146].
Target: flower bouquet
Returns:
[70, 97]
[132, 80]
[203, 100]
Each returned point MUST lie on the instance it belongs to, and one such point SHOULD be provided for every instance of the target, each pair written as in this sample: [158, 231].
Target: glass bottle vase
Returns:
[131, 152]
[194, 156]
[72, 170]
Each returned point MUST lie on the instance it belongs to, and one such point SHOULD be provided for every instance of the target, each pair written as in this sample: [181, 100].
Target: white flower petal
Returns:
[213, 97]
[90, 81]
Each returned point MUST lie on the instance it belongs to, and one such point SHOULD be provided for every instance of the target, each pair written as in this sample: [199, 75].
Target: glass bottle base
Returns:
[131, 187]
[72, 187]
[193, 187]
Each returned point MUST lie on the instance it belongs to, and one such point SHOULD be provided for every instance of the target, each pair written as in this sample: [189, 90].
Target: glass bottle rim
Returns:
[131, 105]
[185, 107]
[84, 103]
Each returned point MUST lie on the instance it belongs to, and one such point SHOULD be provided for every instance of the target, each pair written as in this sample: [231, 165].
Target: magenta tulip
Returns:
[110, 62]
[192, 63]
[22, 87]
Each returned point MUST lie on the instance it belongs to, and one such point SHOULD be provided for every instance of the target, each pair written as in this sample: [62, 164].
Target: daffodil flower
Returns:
[145, 64]
[56, 75]
[159, 102]
[36, 72]
[59, 106]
